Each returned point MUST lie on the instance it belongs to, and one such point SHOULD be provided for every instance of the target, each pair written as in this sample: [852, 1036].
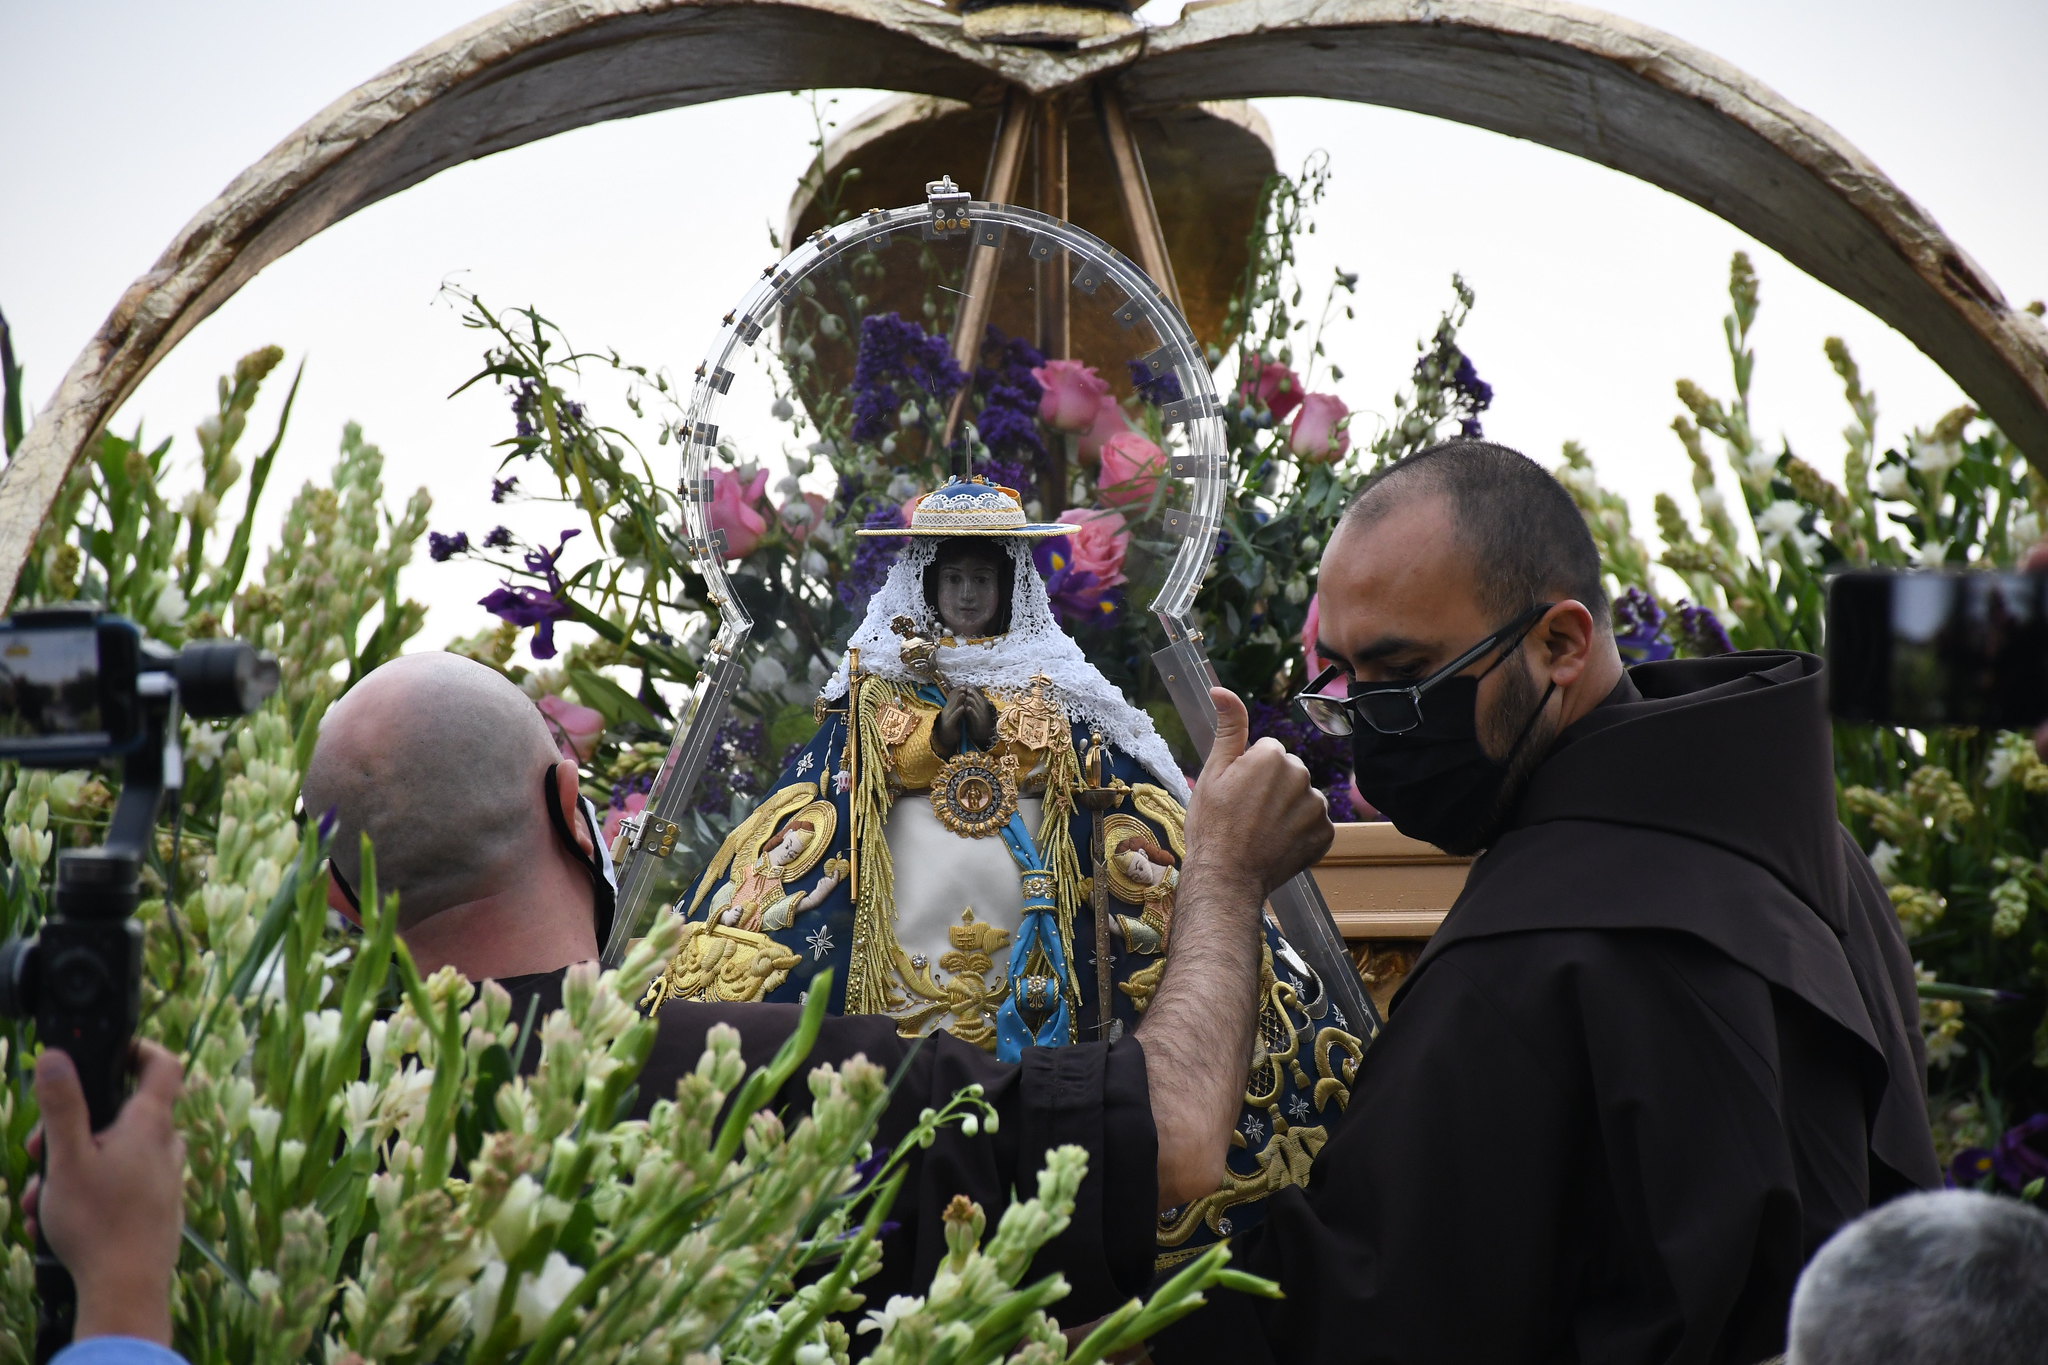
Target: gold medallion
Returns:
[1034, 720]
[974, 794]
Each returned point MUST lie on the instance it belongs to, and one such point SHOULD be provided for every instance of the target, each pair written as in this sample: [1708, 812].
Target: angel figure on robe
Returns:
[984, 836]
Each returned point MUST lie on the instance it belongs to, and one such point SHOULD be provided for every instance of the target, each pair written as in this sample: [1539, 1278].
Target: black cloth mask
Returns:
[1435, 782]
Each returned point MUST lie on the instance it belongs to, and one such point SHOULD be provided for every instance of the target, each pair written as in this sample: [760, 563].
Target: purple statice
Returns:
[1164, 389]
[1328, 756]
[871, 560]
[1639, 628]
[893, 352]
[730, 774]
[498, 537]
[1010, 474]
[1702, 631]
[1078, 596]
[526, 409]
[526, 605]
[632, 786]
[442, 548]
[1010, 394]
[502, 488]
[1471, 396]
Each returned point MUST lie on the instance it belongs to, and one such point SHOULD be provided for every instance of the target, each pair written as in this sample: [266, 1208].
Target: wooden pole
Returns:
[972, 318]
[1054, 335]
[1134, 190]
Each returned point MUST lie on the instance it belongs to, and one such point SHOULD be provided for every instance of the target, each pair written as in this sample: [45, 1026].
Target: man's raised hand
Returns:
[1255, 816]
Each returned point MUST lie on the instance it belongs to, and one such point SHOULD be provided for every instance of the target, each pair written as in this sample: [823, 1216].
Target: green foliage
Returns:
[371, 1176]
[1954, 820]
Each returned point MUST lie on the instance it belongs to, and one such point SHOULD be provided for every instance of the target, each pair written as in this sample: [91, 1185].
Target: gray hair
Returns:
[1951, 1277]
[439, 760]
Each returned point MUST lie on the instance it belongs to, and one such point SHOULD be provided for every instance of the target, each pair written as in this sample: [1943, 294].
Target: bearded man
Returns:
[1665, 1042]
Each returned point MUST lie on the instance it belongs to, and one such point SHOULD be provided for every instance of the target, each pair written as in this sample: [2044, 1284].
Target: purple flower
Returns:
[442, 548]
[1164, 389]
[526, 408]
[1970, 1169]
[500, 488]
[731, 772]
[1078, 596]
[1327, 757]
[895, 351]
[329, 818]
[632, 786]
[498, 538]
[530, 606]
[1702, 631]
[1476, 394]
[871, 560]
[2021, 1156]
[1639, 628]
[1010, 394]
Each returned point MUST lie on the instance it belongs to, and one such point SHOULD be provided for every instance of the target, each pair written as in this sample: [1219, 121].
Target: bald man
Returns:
[451, 771]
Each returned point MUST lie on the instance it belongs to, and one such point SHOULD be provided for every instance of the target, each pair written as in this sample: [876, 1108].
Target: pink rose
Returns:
[1311, 630]
[735, 510]
[576, 729]
[632, 805]
[1098, 546]
[1109, 422]
[800, 530]
[1319, 435]
[1131, 466]
[1272, 383]
[1073, 392]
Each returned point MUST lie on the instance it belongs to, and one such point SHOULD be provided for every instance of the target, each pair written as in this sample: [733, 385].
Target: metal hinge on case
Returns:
[650, 833]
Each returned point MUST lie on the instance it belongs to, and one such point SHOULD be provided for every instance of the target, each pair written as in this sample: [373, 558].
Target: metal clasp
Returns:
[650, 833]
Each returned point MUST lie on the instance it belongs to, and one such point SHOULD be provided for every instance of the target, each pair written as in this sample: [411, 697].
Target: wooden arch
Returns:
[1572, 78]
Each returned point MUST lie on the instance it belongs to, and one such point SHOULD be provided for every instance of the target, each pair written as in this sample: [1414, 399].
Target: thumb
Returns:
[66, 1128]
[1233, 728]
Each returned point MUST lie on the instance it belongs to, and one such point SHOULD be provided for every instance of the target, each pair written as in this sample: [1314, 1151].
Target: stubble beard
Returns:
[1512, 710]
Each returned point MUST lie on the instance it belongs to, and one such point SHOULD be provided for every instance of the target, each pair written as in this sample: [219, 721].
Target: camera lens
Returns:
[17, 978]
[220, 679]
[77, 981]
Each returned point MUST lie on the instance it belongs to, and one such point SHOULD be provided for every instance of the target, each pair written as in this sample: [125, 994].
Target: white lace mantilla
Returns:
[1035, 645]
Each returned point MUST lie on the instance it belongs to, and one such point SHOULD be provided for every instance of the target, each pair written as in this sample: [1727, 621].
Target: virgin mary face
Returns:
[967, 588]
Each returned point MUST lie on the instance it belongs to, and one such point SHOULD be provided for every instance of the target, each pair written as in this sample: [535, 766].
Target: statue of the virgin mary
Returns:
[984, 836]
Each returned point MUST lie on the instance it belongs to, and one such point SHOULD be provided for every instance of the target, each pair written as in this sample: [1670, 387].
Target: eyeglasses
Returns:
[1396, 708]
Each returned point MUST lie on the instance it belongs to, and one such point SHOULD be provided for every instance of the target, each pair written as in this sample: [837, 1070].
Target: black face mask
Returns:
[1435, 782]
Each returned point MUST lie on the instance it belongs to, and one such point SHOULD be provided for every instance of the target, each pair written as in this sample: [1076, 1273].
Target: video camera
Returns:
[79, 687]
[1948, 647]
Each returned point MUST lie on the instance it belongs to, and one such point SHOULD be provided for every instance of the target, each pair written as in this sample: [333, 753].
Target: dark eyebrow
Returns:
[1384, 647]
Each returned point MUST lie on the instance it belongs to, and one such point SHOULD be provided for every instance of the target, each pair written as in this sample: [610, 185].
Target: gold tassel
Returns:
[1056, 848]
[868, 971]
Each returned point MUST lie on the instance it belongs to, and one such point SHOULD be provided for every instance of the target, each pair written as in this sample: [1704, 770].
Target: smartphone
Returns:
[1943, 648]
[67, 687]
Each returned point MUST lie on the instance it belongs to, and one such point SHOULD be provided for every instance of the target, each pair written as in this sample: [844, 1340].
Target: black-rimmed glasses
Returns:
[1396, 708]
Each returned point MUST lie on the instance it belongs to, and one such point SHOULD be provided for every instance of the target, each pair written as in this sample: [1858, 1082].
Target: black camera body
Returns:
[1941, 648]
[80, 687]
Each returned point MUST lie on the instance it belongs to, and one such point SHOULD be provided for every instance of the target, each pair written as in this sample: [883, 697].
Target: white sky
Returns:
[1596, 291]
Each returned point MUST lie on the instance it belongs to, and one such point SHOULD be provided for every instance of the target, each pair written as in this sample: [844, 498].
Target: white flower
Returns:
[900, 1306]
[901, 487]
[1892, 483]
[1883, 859]
[540, 1295]
[813, 1352]
[1998, 768]
[768, 674]
[169, 608]
[1932, 555]
[205, 745]
[781, 410]
[1937, 457]
[2026, 529]
[813, 565]
[1758, 466]
[1712, 504]
[263, 1122]
[483, 1295]
[1778, 524]
[323, 1032]
[1944, 1046]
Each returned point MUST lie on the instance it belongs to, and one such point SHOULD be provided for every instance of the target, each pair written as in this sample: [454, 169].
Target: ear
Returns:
[1563, 642]
[566, 793]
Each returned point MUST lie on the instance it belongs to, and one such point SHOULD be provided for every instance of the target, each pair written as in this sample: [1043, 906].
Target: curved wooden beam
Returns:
[1571, 78]
[1645, 103]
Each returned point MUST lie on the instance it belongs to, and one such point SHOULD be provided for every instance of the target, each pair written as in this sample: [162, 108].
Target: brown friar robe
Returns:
[1092, 1095]
[1664, 1044]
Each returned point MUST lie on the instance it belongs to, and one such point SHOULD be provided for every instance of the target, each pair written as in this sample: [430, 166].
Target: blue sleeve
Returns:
[117, 1351]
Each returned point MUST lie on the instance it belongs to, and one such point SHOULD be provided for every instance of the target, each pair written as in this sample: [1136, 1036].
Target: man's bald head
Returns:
[1519, 530]
[438, 759]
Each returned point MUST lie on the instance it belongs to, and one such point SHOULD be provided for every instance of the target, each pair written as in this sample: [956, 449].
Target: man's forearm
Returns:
[1197, 1032]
